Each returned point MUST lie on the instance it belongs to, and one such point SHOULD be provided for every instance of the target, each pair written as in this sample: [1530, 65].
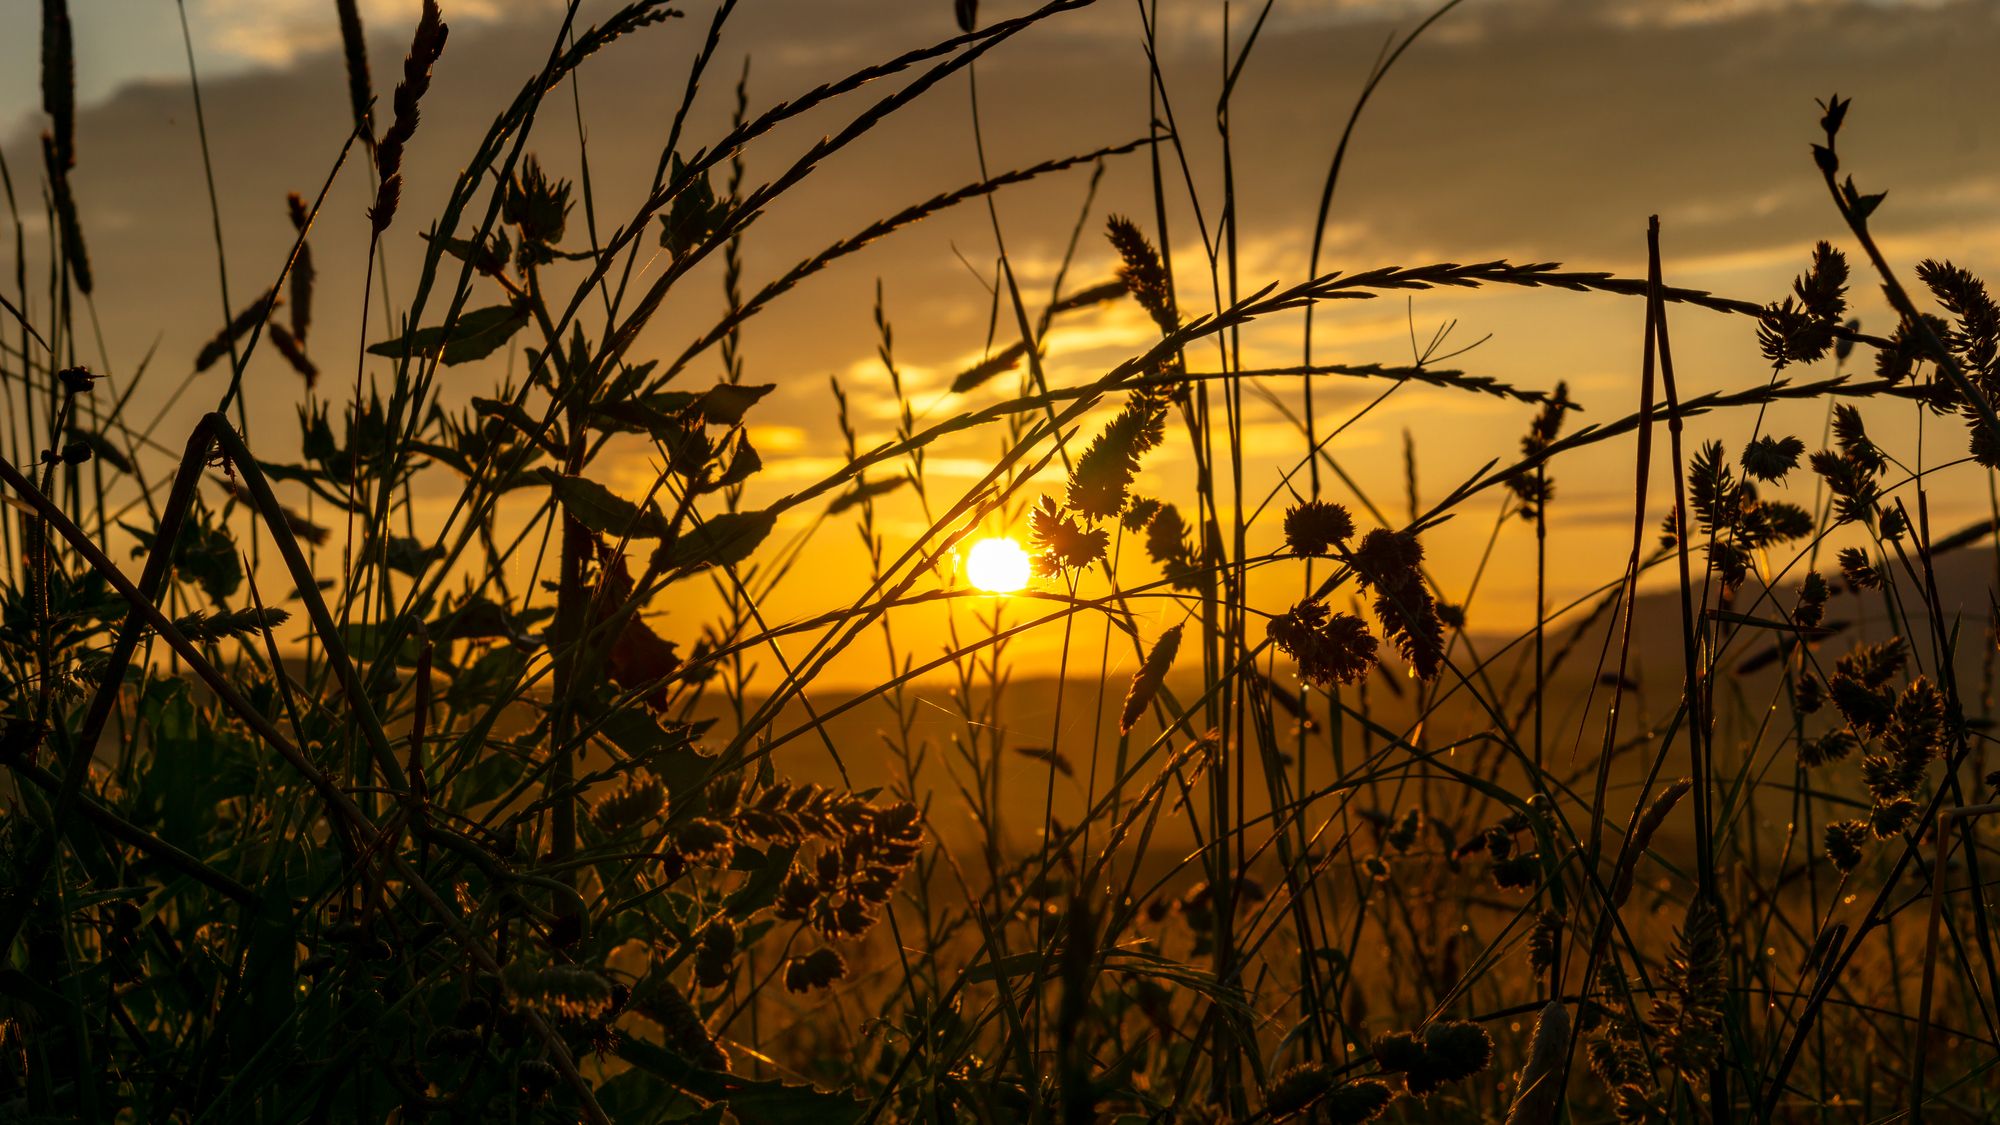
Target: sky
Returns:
[1534, 130]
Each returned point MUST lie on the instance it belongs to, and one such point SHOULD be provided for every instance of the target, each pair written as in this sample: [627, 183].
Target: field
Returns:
[482, 670]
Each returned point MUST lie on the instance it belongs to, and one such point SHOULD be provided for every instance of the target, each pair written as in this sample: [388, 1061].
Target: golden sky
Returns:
[1535, 130]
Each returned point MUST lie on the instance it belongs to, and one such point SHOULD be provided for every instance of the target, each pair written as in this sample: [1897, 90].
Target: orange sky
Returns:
[1533, 130]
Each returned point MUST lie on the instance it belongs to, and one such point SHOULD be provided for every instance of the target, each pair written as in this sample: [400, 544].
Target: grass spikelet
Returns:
[1389, 563]
[1142, 272]
[1006, 359]
[238, 327]
[633, 804]
[294, 353]
[1060, 542]
[1167, 544]
[1769, 459]
[1102, 479]
[1315, 527]
[354, 48]
[229, 624]
[1813, 593]
[59, 82]
[1355, 1103]
[567, 991]
[658, 1000]
[1545, 940]
[1801, 328]
[1844, 841]
[1891, 817]
[1329, 647]
[1687, 1014]
[1297, 1089]
[425, 47]
[702, 840]
[1539, 1087]
[1856, 569]
[1832, 746]
[815, 970]
[1054, 759]
[715, 954]
[1643, 831]
[1859, 686]
[626, 20]
[1448, 1051]
[797, 893]
[303, 273]
[1454, 1050]
[68, 225]
[1535, 491]
[1974, 336]
[1147, 680]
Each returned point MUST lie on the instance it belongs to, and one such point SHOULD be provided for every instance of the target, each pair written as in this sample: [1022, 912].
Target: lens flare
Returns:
[998, 566]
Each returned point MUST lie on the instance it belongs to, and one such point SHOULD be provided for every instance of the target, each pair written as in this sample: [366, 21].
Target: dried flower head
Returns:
[817, 969]
[1314, 527]
[1329, 647]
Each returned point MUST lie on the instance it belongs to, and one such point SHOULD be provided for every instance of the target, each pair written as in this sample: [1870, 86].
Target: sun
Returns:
[998, 565]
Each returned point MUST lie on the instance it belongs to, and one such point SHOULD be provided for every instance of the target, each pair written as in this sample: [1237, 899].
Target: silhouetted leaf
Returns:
[476, 335]
[603, 511]
[720, 541]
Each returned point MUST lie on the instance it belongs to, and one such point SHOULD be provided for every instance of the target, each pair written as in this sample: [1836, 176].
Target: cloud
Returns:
[280, 32]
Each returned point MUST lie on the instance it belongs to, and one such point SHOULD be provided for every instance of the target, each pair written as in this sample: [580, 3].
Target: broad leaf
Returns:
[603, 511]
[476, 335]
[723, 540]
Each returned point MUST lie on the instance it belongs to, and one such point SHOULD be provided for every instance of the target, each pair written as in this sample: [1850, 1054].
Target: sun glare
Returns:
[997, 566]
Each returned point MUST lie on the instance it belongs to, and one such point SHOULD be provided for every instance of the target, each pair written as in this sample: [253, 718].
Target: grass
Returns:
[346, 809]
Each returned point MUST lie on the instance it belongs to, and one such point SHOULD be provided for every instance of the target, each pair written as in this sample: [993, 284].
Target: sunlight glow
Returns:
[998, 566]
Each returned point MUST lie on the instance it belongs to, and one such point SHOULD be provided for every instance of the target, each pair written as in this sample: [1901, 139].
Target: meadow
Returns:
[415, 764]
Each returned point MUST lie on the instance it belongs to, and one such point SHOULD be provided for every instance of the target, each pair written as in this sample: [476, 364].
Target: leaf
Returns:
[669, 752]
[767, 874]
[743, 464]
[722, 540]
[1146, 681]
[603, 511]
[476, 335]
[640, 657]
[725, 403]
[693, 216]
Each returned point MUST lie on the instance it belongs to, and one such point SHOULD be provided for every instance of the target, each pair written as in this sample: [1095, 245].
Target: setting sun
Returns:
[998, 566]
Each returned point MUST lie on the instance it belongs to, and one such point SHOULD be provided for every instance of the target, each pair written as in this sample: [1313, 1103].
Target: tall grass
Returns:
[342, 810]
